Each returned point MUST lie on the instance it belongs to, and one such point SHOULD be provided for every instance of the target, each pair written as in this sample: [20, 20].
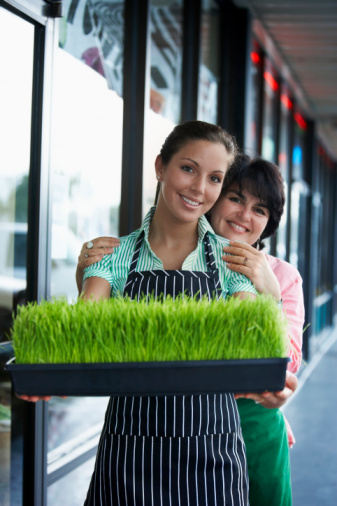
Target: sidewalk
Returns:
[312, 414]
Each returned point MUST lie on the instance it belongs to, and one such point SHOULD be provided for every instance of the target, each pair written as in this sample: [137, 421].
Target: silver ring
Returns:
[90, 244]
[86, 255]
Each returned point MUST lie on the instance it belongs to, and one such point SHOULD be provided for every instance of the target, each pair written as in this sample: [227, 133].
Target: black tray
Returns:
[149, 378]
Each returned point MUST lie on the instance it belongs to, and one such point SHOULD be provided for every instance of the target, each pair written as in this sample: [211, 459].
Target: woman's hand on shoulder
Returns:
[243, 258]
[272, 400]
[100, 246]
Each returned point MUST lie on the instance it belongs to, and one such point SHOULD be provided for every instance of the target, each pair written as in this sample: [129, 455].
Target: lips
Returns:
[189, 201]
[237, 227]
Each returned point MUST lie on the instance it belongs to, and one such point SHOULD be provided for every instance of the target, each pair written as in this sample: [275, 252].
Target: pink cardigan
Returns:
[293, 305]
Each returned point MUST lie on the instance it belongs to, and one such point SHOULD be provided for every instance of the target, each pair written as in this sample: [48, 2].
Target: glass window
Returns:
[298, 161]
[209, 67]
[86, 152]
[163, 110]
[270, 104]
[253, 103]
[284, 164]
[16, 74]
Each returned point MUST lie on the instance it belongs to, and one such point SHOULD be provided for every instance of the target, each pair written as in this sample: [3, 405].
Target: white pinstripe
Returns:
[117, 462]
[125, 488]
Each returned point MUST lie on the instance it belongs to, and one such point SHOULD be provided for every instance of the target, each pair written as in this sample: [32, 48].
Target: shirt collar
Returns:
[203, 225]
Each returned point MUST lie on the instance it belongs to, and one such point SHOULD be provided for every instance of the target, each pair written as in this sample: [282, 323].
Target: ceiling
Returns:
[302, 35]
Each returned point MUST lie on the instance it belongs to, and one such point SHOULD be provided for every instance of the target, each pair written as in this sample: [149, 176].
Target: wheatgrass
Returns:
[120, 330]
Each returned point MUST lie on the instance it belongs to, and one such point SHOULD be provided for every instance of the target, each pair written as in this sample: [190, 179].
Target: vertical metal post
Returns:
[35, 421]
[135, 90]
[191, 59]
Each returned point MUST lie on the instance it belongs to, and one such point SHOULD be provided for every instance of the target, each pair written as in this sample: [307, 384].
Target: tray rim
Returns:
[149, 378]
[11, 366]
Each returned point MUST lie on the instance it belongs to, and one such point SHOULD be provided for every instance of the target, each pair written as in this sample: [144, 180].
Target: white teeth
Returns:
[190, 201]
[234, 225]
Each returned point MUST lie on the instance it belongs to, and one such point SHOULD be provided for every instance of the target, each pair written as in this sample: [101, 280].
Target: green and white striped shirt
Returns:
[115, 267]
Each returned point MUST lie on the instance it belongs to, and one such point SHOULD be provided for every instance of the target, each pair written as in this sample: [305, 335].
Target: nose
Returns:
[198, 185]
[244, 213]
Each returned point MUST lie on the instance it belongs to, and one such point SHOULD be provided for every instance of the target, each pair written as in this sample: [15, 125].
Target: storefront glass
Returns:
[253, 104]
[16, 73]
[163, 109]
[86, 152]
[286, 107]
[270, 104]
[209, 67]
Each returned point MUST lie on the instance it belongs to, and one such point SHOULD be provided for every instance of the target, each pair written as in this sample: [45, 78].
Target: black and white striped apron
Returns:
[171, 450]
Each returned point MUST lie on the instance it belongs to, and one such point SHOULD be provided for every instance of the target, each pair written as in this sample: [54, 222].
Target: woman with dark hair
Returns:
[248, 211]
[172, 449]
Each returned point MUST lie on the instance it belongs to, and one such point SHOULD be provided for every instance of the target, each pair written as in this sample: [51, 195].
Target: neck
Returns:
[167, 230]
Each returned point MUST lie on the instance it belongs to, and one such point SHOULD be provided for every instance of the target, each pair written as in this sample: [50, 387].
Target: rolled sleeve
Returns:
[239, 283]
[101, 269]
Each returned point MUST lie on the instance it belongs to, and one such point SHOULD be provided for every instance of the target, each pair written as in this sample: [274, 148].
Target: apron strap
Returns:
[136, 253]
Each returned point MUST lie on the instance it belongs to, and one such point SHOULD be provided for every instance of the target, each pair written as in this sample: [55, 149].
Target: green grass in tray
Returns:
[119, 330]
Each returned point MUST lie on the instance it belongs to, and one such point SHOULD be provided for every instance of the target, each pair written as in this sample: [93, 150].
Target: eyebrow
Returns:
[237, 192]
[196, 163]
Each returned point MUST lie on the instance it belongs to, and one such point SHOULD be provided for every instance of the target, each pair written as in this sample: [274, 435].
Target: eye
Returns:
[216, 179]
[261, 211]
[236, 200]
[187, 168]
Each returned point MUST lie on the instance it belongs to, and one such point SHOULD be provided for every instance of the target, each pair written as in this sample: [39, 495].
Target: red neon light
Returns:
[282, 158]
[270, 80]
[300, 121]
[255, 57]
[286, 101]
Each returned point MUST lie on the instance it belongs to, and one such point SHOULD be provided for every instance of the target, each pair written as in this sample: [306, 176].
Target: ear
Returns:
[159, 167]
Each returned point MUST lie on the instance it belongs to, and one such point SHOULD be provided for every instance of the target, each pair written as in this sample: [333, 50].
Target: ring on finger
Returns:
[245, 261]
[86, 255]
[90, 244]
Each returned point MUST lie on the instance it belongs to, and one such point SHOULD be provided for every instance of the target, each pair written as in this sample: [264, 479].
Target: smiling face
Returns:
[239, 215]
[191, 181]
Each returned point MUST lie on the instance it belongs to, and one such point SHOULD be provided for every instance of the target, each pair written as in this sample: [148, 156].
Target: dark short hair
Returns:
[193, 131]
[262, 179]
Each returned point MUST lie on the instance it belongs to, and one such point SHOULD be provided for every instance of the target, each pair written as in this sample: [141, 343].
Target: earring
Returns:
[258, 242]
[158, 177]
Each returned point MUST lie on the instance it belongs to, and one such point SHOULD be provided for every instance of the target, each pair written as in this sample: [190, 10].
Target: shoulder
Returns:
[283, 270]
[218, 241]
[126, 246]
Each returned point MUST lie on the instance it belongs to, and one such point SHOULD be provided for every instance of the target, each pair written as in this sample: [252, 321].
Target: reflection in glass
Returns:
[166, 58]
[16, 72]
[253, 104]
[270, 102]
[300, 128]
[93, 32]
[209, 67]
[165, 87]
[86, 152]
[283, 162]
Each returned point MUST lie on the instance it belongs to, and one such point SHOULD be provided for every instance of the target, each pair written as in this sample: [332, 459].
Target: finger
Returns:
[239, 252]
[237, 259]
[92, 259]
[34, 398]
[236, 263]
[242, 245]
[105, 242]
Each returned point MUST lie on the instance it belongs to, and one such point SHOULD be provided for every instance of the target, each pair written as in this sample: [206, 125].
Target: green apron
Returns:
[265, 435]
